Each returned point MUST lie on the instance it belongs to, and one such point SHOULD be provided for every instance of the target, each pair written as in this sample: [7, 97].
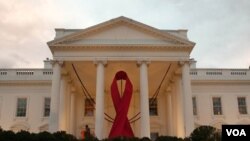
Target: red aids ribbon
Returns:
[121, 126]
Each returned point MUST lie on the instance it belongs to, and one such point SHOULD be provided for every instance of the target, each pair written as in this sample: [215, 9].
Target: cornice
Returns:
[113, 48]
[123, 46]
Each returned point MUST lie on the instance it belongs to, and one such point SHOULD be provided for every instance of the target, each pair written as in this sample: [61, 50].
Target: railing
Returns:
[206, 74]
[26, 74]
[3, 73]
[216, 74]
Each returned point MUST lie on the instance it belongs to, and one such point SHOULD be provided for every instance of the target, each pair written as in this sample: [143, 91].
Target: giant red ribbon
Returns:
[121, 126]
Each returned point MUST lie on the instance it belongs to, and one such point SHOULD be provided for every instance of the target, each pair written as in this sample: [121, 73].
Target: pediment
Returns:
[120, 31]
[120, 34]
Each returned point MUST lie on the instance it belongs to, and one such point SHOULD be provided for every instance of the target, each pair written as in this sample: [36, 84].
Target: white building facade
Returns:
[170, 95]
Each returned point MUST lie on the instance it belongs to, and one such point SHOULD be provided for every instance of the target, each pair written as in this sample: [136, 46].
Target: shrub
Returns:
[63, 136]
[205, 133]
[23, 136]
[124, 139]
[168, 138]
[45, 136]
[7, 136]
[145, 139]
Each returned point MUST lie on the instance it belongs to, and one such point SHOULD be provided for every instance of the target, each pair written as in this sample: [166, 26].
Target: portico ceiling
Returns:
[87, 73]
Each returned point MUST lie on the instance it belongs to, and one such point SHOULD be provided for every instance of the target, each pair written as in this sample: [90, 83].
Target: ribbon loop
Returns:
[121, 126]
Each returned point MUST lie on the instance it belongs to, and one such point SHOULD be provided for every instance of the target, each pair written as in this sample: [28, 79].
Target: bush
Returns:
[63, 136]
[124, 139]
[202, 133]
[7, 136]
[44, 136]
[168, 138]
[205, 133]
[23, 136]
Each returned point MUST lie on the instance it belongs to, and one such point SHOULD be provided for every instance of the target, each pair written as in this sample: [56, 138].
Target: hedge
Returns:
[202, 133]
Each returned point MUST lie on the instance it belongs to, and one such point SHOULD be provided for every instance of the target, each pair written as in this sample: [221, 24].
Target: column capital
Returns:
[183, 62]
[60, 62]
[100, 61]
[143, 61]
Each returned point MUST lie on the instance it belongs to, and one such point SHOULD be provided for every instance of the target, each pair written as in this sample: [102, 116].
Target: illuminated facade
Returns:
[57, 97]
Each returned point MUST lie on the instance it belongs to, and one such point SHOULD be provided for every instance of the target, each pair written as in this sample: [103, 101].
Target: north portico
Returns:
[144, 53]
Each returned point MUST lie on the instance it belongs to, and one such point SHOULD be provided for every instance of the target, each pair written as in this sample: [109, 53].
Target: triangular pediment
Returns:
[120, 31]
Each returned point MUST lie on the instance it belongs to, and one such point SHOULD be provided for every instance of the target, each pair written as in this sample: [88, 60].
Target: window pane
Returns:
[89, 108]
[242, 105]
[21, 107]
[217, 106]
[153, 107]
[46, 112]
[194, 106]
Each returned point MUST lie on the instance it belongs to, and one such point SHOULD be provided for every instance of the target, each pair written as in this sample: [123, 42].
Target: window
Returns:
[153, 107]
[194, 106]
[21, 107]
[89, 108]
[217, 106]
[46, 111]
[242, 105]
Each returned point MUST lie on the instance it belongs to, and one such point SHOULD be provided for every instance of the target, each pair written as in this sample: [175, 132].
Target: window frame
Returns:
[17, 107]
[194, 103]
[88, 108]
[153, 106]
[216, 106]
[44, 107]
[242, 106]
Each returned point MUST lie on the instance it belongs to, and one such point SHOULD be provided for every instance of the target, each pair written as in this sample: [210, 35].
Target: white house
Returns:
[85, 61]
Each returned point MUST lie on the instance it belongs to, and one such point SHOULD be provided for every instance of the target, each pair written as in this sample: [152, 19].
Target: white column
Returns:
[99, 113]
[72, 111]
[174, 111]
[55, 94]
[179, 108]
[145, 119]
[169, 114]
[67, 105]
[187, 92]
[62, 107]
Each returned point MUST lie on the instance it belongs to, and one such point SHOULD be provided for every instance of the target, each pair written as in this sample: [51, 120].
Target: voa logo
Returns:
[236, 132]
